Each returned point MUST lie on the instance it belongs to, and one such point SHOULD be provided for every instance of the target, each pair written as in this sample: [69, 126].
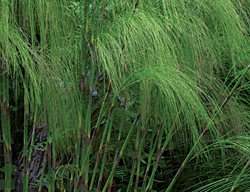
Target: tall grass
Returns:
[172, 79]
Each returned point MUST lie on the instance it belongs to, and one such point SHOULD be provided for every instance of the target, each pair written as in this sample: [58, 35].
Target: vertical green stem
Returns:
[120, 154]
[25, 137]
[6, 130]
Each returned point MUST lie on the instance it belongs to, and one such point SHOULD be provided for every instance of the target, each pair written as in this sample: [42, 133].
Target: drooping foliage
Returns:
[133, 95]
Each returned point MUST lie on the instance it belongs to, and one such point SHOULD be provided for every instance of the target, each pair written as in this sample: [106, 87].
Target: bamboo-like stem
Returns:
[84, 147]
[153, 145]
[135, 170]
[103, 132]
[157, 158]
[119, 154]
[25, 139]
[6, 130]
[106, 151]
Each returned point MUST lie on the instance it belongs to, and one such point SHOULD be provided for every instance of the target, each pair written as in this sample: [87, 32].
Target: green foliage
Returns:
[172, 77]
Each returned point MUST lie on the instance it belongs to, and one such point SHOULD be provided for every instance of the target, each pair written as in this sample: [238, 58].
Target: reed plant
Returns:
[131, 95]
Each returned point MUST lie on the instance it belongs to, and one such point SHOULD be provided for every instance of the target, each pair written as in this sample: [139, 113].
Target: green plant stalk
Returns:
[129, 135]
[31, 18]
[189, 155]
[134, 164]
[157, 159]
[105, 152]
[115, 160]
[79, 139]
[104, 157]
[85, 37]
[52, 142]
[6, 130]
[85, 151]
[120, 154]
[87, 137]
[160, 151]
[85, 166]
[140, 136]
[107, 127]
[153, 145]
[42, 25]
[53, 148]
[91, 84]
[98, 158]
[101, 115]
[50, 185]
[121, 127]
[25, 138]
[239, 177]
[111, 175]
[139, 157]
[135, 159]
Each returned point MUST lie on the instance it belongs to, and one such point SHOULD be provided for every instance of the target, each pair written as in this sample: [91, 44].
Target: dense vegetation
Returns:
[125, 95]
